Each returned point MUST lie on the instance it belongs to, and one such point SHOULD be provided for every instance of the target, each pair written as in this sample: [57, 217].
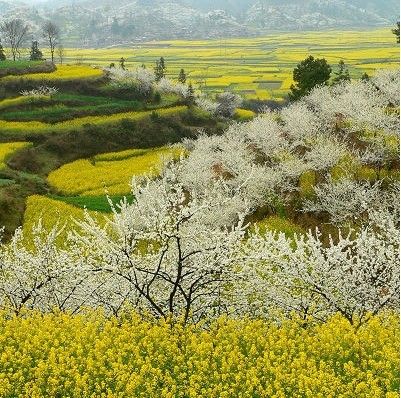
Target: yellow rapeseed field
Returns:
[9, 148]
[63, 72]
[112, 172]
[244, 114]
[279, 224]
[249, 66]
[91, 356]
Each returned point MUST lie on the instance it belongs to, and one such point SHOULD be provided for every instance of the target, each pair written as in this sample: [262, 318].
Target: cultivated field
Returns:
[255, 67]
[109, 172]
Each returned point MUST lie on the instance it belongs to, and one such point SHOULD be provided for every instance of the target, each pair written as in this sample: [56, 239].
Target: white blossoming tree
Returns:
[167, 247]
[41, 275]
[140, 79]
[227, 103]
[357, 276]
[345, 200]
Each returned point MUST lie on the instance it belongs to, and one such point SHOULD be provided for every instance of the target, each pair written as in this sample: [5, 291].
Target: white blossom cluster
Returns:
[166, 85]
[144, 80]
[225, 104]
[345, 200]
[42, 91]
[167, 255]
[141, 79]
[205, 103]
[184, 246]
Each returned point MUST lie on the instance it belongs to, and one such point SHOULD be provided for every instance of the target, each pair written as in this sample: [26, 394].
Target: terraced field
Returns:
[60, 152]
[109, 172]
[65, 150]
[36, 127]
[255, 67]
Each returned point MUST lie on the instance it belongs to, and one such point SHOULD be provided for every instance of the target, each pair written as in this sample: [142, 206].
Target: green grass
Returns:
[22, 64]
[6, 181]
[60, 112]
[307, 182]
[94, 203]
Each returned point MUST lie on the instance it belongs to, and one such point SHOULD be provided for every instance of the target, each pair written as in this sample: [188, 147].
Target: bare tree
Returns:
[15, 31]
[51, 33]
[61, 53]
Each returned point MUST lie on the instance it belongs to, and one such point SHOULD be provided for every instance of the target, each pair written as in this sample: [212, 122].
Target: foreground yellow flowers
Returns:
[89, 355]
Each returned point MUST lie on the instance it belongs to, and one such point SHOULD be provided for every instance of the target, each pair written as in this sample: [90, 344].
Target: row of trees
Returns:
[15, 33]
[159, 70]
[147, 83]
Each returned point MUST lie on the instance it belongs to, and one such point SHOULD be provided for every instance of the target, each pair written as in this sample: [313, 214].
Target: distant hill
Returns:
[106, 22]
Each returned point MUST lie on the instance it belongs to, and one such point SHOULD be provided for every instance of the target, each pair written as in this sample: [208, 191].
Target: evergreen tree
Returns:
[122, 63]
[191, 95]
[182, 77]
[160, 69]
[342, 74]
[396, 31]
[309, 73]
[35, 53]
[2, 54]
[365, 77]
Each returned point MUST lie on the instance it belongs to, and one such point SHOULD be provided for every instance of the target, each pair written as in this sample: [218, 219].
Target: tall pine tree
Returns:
[160, 69]
[182, 77]
[190, 100]
[342, 74]
[308, 74]
[36, 54]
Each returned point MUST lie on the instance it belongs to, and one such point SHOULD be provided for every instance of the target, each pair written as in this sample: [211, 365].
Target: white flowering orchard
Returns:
[186, 246]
